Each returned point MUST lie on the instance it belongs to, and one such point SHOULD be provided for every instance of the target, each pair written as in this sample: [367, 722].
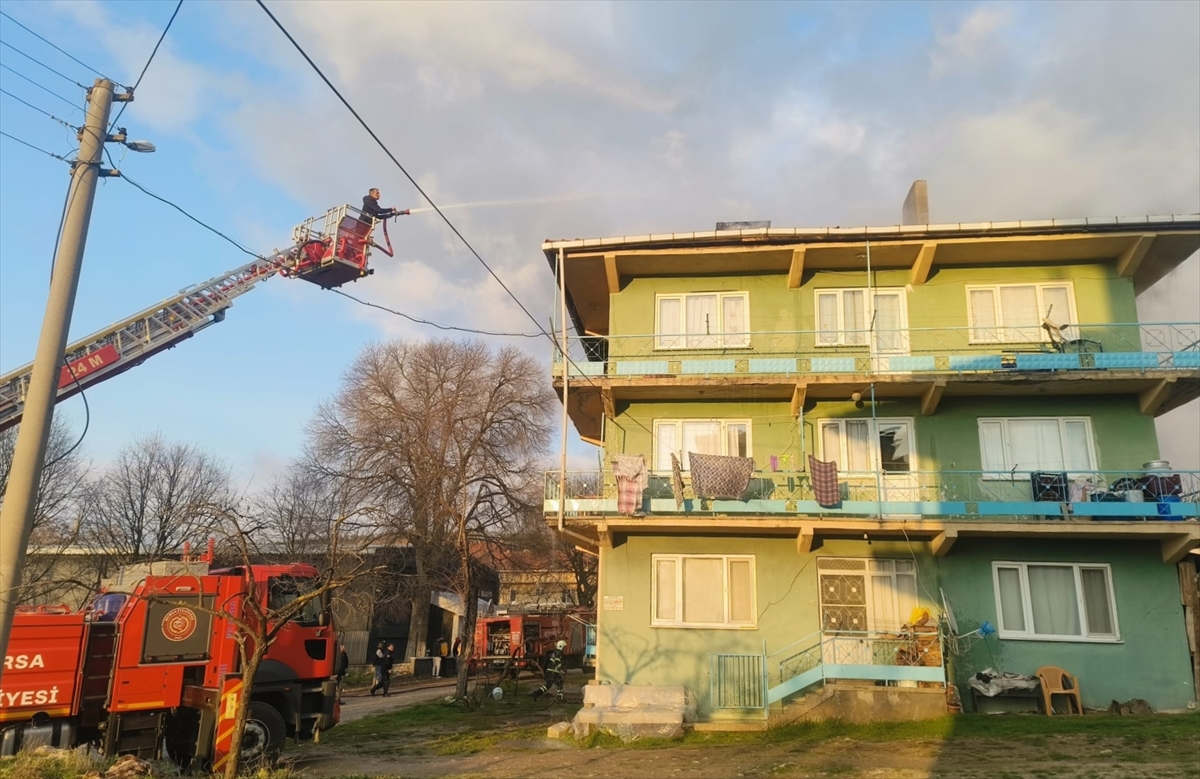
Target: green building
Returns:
[988, 396]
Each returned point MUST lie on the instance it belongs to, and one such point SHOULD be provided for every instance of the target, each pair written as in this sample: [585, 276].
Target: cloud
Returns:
[975, 38]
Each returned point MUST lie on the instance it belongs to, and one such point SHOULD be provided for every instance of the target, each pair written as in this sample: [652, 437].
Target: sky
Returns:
[624, 118]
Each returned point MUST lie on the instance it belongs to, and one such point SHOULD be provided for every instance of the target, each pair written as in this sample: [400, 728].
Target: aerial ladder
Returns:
[328, 251]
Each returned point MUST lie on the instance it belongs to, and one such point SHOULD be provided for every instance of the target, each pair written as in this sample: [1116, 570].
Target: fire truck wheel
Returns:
[264, 735]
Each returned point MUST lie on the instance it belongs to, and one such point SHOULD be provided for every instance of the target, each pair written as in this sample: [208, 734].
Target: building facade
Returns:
[988, 396]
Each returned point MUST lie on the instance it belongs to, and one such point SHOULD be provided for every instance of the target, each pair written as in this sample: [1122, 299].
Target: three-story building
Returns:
[987, 395]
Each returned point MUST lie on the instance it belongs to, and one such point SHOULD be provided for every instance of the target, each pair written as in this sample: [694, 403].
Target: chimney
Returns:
[916, 205]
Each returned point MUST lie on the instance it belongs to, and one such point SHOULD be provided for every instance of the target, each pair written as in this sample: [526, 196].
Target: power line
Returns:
[146, 67]
[36, 61]
[45, 89]
[183, 211]
[35, 148]
[403, 170]
[418, 321]
[39, 110]
[70, 56]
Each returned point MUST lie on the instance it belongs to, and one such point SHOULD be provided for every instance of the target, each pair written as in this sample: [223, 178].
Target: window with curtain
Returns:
[714, 591]
[1011, 447]
[844, 317]
[865, 445]
[1055, 601]
[729, 437]
[703, 320]
[1013, 313]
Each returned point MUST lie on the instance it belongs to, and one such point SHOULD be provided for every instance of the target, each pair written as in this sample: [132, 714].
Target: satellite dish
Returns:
[948, 612]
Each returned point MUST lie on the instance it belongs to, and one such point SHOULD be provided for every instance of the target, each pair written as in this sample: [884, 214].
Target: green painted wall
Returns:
[633, 652]
[949, 440]
[1152, 660]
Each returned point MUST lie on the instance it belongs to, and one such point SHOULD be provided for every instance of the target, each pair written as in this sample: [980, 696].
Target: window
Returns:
[1024, 444]
[1013, 313]
[282, 591]
[730, 437]
[715, 591]
[865, 445]
[859, 595]
[706, 320]
[1055, 601]
[844, 318]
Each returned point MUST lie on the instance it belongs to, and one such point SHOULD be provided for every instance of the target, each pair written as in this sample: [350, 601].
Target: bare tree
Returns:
[448, 436]
[155, 496]
[47, 576]
[299, 509]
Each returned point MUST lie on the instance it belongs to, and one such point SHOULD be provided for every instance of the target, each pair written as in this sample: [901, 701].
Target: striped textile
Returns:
[825, 482]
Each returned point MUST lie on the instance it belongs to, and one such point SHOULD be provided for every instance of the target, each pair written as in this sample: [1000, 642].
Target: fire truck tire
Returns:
[265, 734]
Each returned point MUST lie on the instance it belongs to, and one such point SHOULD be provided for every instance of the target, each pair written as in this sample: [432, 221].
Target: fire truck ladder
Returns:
[327, 250]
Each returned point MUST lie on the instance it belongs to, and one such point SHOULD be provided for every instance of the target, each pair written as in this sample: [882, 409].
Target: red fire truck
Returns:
[149, 668]
[524, 639]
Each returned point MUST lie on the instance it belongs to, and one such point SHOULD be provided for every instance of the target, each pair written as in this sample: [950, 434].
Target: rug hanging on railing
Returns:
[632, 480]
[825, 482]
[718, 477]
[677, 481]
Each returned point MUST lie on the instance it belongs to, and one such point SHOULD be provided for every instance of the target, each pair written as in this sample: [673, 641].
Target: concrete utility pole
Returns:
[20, 499]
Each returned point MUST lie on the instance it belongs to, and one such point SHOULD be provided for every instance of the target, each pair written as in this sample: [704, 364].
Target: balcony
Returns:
[1160, 363]
[921, 504]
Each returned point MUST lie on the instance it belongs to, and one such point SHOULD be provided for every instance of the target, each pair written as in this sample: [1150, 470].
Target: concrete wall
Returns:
[1150, 662]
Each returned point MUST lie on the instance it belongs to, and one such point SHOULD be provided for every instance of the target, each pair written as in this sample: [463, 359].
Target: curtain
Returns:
[666, 444]
[703, 590]
[827, 317]
[700, 437]
[983, 315]
[1012, 607]
[889, 333]
[737, 444]
[664, 583]
[1078, 452]
[741, 592]
[858, 446]
[1019, 310]
[1095, 601]
[669, 316]
[854, 316]
[1035, 445]
[703, 326]
[991, 445]
[1053, 600]
[733, 320]
[831, 444]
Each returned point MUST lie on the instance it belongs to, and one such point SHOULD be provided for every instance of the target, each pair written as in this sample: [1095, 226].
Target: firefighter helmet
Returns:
[561, 645]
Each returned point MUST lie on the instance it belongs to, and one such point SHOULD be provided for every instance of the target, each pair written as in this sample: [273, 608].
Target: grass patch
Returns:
[55, 764]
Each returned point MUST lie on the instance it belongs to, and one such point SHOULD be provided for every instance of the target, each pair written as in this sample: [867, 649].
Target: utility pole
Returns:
[20, 499]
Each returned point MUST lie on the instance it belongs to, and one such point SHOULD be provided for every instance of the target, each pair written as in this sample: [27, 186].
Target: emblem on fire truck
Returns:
[179, 624]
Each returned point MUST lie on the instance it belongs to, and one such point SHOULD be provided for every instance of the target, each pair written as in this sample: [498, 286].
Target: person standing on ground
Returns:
[379, 661]
[389, 659]
[554, 671]
[343, 663]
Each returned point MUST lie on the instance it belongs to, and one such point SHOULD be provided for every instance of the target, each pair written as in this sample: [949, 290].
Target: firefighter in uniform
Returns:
[554, 671]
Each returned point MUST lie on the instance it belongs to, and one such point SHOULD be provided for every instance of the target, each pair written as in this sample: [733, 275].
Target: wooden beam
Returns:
[932, 397]
[1131, 258]
[796, 272]
[943, 541]
[604, 536]
[798, 396]
[592, 441]
[806, 539]
[924, 263]
[1176, 548]
[610, 270]
[1152, 399]
[610, 405]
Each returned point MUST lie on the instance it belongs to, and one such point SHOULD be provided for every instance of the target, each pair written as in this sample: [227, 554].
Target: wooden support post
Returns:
[796, 272]
[799, 393]
[943, 542]
[932, 397]
[1176, 547]
[806, 540]
[924, 263]
[610, 405]
[610, 271]
[1131, 259]
[1151, 400]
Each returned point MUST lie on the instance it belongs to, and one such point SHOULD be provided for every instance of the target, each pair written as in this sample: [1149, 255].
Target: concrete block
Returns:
[558, 730]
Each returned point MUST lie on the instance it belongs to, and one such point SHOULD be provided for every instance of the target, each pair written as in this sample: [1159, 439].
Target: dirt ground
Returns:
[508, 740]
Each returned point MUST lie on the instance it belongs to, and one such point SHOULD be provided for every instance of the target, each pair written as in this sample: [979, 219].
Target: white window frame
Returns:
[724, 436]
[869, 294]
[662, 341]
[1007, 334]
[678, 622]
[1027, 604]
[1008, 473]
[873, 432]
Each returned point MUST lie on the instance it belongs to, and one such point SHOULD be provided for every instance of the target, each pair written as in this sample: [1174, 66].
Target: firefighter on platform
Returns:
[554, 671]
[371, 207]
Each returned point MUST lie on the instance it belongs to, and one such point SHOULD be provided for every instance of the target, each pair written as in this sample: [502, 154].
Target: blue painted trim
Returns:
[886, 673]
[1186, 359]
[772, 365]
[587, 369]
[794, 685]
[642, 367]
[1135, 360]
[921, 363]
[832, 365]
[1036, 362]
[975, 362]
[708, 366]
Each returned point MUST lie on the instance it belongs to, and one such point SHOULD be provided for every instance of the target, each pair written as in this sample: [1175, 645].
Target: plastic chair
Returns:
[1056, 681]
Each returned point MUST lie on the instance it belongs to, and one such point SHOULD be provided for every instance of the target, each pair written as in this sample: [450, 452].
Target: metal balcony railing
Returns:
[942, 350]
[1132, 495]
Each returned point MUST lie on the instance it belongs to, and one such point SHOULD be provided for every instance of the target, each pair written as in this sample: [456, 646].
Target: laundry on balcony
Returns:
[677, 481]
[632, 479]
[719, 477]
[825, 482]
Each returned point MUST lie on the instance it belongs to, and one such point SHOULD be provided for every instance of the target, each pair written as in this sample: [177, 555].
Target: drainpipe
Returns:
[874, 414]
[562, 464]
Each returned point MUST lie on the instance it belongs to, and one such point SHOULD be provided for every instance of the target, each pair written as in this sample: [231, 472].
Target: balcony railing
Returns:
[945, 350]
[967, 495]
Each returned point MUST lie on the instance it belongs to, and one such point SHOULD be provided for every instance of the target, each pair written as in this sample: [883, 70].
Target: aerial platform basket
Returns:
[334, 248]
